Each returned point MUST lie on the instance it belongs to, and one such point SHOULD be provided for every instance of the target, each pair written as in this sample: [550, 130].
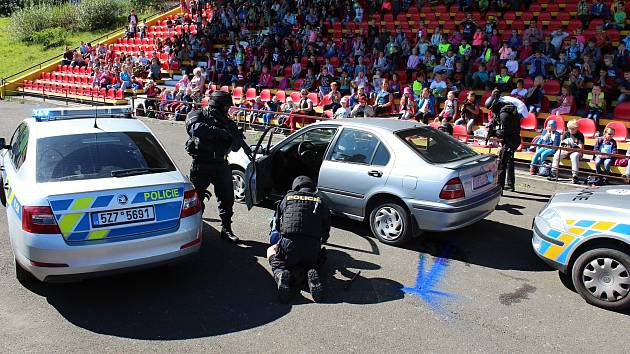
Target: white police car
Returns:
[89, 196]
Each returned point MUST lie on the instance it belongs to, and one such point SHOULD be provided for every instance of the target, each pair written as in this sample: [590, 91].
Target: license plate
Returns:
[123, 216]
[482, 180]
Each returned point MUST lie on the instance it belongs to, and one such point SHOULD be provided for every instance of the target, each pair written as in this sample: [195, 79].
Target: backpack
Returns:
[545, 169]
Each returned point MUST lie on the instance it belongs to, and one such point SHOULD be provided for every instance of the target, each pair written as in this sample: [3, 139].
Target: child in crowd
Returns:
[450, 107]
[565, 102]
[550, 137]
[604, 144]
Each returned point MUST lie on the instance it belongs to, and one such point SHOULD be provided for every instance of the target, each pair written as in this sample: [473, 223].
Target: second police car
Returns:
[586, 235]
[88, 196]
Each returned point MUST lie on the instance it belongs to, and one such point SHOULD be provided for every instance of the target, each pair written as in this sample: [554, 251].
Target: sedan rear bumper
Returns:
[446, 217]
[89, 260]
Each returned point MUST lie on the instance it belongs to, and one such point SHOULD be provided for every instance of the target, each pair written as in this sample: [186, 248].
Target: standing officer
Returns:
[506, 126]
[304, 223]
[209, 143]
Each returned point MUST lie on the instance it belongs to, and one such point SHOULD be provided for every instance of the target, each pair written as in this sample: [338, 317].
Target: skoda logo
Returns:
[122, 199]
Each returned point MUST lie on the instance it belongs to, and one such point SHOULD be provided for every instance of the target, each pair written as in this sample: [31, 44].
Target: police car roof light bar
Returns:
[51, 114]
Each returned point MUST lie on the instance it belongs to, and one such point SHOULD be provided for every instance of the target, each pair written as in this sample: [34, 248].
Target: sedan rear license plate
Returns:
[123, 216]
[482, 180]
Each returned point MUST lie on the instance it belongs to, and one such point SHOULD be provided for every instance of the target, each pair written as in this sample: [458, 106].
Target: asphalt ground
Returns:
[479, 289]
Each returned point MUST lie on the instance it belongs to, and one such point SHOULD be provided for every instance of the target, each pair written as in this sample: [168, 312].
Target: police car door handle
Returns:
[375, 173]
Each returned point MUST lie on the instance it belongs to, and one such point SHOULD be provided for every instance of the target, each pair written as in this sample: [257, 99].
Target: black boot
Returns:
[228, 235]
[576, 179]
[283, 279]
[315, 285]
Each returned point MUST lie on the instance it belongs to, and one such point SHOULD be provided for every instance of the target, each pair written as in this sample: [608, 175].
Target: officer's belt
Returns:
[212, 157]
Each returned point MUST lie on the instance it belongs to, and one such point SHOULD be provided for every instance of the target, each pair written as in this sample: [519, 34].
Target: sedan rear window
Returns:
[102, 155]
[435, 146]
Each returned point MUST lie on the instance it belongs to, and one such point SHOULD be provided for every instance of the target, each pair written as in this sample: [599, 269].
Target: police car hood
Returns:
[114, 183]
[608, 197]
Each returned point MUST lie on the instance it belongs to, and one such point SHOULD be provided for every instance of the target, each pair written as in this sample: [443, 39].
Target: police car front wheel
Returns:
[390, 223]
[602, 277]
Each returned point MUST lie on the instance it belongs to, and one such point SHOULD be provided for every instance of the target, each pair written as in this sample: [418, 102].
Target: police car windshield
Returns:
[100, 155]
[435, 146]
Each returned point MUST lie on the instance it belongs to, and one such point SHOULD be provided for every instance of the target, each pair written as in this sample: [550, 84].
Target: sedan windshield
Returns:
[102, 155]
[435, 146]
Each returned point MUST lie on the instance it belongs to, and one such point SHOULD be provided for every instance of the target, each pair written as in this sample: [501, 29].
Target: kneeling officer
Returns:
[304, 223]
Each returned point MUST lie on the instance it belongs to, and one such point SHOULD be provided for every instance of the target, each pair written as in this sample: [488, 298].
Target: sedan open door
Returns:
[258, 175]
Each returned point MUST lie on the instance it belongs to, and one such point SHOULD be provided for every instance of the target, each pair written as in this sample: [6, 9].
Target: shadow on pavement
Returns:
[487, 243]
[222, 290]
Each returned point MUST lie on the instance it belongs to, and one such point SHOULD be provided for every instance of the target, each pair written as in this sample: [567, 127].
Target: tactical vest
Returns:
[300, 215]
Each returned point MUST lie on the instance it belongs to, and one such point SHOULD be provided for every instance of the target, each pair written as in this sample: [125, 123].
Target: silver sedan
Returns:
[402, 177]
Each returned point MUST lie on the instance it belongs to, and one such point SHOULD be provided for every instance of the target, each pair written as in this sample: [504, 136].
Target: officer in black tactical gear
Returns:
[304, 222]
[209, 143]
[506, 126]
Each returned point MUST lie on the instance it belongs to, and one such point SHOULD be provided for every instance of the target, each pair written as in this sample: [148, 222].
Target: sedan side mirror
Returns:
[3, 144]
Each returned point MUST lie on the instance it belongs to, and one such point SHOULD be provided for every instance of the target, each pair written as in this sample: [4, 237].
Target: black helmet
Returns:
[494, 98]
[303, 182]
[221, 100]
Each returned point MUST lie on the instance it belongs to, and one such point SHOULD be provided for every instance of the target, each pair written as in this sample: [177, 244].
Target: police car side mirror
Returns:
[3, 144]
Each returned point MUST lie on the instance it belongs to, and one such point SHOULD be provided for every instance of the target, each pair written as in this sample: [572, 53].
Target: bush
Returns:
[25, 22]
[51, 37]
[97, 14]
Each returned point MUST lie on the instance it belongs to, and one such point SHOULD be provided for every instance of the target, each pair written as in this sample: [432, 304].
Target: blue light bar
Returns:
[50, 114]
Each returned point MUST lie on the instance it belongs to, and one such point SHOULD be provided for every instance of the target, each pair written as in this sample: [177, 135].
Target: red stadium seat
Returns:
[622, 111]
[328, 114]
[460, 132]
[560, 126]
[529, 122]
[295, 96]
[237, 94]
[111, 93]
[621, 132]
[326, 100]
[587, 127]
[298, 84]
[250, 95]
[120, 94]
[314, 97]
[281, 96]
[265, 95]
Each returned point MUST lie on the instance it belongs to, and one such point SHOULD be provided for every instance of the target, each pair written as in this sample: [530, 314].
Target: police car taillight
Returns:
[39, 220]
[453, 189]
[191, 205]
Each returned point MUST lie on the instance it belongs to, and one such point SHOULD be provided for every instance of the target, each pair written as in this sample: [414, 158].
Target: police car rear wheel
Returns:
[602, 277]
[3, 197]
[238, 184]
[390, 223]
[21, 274]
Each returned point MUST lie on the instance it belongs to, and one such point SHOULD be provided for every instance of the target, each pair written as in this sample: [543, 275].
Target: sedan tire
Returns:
[602, 277]
[390, 223]
[238, 185]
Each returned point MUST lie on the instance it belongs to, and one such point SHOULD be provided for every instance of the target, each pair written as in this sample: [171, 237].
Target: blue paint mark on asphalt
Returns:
[426, 283]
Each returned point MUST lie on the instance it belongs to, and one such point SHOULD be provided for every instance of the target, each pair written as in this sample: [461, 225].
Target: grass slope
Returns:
[16, 56]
